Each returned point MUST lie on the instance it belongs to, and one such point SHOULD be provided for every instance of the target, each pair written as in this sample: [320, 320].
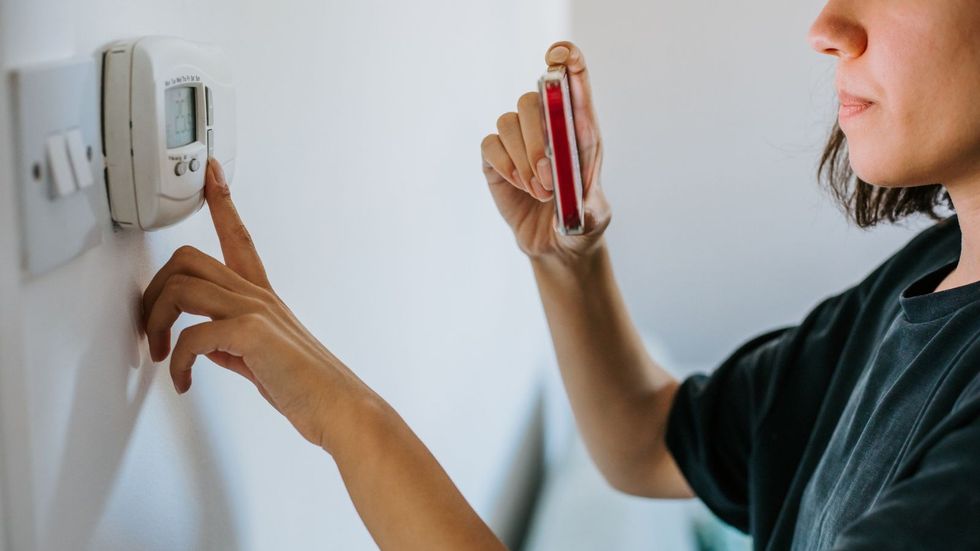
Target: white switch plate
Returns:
[50, 100]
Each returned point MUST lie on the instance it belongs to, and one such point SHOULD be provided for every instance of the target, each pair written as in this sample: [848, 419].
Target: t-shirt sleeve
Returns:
[711, 425]
[708, 430]
[937, 507]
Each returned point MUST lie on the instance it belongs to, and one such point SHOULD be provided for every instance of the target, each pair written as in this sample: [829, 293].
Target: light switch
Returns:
[79, 158]
[58, 220]
[62, 179]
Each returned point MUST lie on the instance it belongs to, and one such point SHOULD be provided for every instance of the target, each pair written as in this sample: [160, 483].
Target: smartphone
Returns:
[566, 171]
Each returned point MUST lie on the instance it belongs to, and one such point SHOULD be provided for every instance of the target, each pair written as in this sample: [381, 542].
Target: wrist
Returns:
[578, 265]
[356, 421]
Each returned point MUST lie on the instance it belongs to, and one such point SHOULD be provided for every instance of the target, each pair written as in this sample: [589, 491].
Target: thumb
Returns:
[596, 211]
[583, 110]
[568, 54]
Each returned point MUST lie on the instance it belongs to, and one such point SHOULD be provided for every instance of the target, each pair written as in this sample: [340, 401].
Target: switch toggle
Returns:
[62, 179]
[79, 158]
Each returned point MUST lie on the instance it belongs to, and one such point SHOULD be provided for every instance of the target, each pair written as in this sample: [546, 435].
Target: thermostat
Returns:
[167, 105]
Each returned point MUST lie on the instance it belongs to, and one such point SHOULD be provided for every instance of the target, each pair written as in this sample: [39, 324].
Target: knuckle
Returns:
[252, 322]
[184, 253]
[224, 191]
[259, 301]
[176, 283]
[183, 341]
[262, 306]
[175, 286]
[268, 297]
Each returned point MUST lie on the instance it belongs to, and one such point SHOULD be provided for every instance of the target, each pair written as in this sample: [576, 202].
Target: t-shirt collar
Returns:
[921, 303]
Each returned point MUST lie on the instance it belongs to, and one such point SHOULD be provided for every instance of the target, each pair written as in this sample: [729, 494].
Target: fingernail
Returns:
[544, 171]
[558, 54]
[537, 188]
[217, 172]
[516, 177]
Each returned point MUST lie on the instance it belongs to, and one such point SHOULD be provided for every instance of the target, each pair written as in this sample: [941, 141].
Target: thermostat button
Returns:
[195, 164]
[180, 169]
[210, 105]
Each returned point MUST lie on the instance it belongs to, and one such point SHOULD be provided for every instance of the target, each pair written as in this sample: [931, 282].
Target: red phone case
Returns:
[563, 150]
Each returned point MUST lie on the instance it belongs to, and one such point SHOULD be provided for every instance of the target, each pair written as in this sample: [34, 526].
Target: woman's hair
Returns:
[867, 204]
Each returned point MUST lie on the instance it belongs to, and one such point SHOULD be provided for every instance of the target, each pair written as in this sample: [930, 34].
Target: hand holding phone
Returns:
[562, 149]
[524, 164]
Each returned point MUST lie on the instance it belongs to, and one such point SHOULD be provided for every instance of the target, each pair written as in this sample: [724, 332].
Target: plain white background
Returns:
[358, 174]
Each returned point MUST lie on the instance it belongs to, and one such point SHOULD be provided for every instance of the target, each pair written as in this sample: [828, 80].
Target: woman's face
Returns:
[914, 66]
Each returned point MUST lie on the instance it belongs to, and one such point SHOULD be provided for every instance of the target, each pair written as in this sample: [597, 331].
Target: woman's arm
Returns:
[620, 396]
[405, 498]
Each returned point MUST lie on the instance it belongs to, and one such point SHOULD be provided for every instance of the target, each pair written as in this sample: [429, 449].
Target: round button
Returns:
[195, 164]
[180, 169]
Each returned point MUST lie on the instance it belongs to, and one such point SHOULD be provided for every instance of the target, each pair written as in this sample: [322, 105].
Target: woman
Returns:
[859, 428]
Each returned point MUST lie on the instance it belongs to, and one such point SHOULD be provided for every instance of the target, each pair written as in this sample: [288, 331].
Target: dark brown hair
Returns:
[867, 204]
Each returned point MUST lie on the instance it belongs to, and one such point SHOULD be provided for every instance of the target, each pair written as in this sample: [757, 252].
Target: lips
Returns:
[850, 100]
[851, 105]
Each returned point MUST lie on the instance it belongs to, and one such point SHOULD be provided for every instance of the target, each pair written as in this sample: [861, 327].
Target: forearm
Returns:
[620, 396]
[405, 498]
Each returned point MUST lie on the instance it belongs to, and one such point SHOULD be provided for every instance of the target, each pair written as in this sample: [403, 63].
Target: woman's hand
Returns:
[251, 331]
[405, 498]
[519, 172]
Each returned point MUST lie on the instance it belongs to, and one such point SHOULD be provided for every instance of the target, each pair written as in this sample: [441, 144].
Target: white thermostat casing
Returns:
[167, 105]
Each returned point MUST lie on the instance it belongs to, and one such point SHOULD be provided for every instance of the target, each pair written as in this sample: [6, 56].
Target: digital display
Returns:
[180, 112]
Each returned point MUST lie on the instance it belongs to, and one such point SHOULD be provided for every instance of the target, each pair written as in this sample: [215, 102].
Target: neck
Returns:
[966, 200]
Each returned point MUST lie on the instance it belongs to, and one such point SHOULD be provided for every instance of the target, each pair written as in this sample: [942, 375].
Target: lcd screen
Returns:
[180, 112]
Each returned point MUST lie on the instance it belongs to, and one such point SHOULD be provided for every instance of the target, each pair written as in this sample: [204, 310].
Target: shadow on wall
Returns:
[107, 402]
[104, 409]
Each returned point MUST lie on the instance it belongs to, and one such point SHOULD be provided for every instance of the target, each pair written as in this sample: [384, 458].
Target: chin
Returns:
[875, 171]
[884, 169]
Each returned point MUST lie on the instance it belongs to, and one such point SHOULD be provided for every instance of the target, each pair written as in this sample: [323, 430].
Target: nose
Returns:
[838, 33]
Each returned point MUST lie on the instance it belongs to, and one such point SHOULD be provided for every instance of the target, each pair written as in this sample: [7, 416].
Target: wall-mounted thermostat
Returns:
[168, 104]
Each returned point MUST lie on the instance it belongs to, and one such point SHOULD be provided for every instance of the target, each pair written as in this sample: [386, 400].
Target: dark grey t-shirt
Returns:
[858, 428]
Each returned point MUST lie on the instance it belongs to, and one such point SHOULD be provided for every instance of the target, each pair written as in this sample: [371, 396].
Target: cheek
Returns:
[932, 145]
[927, 123]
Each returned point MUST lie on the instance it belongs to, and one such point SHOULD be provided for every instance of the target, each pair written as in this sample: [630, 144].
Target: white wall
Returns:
[7, 297]
[359, 176]
[714, 116]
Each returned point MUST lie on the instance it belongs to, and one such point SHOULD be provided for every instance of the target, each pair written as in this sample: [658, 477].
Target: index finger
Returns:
[568, 54]
[236, 243]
